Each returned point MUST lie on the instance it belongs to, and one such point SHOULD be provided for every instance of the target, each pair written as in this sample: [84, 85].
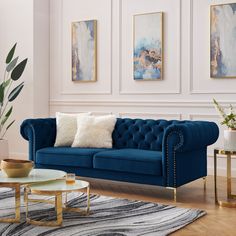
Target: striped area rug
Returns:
[109, 217]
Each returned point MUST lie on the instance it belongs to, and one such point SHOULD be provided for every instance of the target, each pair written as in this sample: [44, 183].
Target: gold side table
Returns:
[56, 189]
[230, 196]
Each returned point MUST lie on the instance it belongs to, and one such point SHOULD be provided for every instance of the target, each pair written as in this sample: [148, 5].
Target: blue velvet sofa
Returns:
[155, 152]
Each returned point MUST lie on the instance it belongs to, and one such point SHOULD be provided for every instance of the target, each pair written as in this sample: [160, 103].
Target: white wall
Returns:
[24, 22]
[186, 91]
[41, 58]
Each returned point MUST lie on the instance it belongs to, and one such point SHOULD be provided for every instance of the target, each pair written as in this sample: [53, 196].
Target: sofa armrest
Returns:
[184, 150]
[39, 132]
[191, 135]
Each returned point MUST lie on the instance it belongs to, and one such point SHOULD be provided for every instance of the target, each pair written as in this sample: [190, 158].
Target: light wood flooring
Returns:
[218, 221]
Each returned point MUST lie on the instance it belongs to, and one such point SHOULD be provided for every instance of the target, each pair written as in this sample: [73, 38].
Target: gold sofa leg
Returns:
[204, 183]
[175, 194]
[174, 191]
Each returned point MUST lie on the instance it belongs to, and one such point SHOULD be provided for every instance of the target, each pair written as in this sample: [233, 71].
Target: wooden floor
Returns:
[218, 221]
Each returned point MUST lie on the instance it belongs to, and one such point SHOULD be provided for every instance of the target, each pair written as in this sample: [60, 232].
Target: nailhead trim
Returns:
[176, 147]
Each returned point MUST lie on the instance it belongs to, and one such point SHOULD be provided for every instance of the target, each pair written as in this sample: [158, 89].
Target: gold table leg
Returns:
[17, 204]
[58, 207]
[215, 177]
[88, 199]
[81, 211]
[229, 193]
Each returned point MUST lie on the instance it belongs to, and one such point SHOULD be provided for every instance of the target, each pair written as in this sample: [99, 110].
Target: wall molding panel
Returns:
[149, 87]
[195, 5]
[104, 84]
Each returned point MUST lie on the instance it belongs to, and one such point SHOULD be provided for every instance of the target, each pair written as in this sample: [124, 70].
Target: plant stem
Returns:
[1, 114]
[3, 134]
[4, 77]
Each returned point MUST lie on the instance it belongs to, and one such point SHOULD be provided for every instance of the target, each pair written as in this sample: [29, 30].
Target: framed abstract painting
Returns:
[223, 41]
[148, 47]
[84, 51]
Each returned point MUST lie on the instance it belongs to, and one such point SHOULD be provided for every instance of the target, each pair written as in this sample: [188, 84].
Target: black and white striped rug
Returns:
[109, 217]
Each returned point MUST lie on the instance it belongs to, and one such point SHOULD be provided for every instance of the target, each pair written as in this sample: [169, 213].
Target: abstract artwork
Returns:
[84, 50]
[148, 46]
[223, 41]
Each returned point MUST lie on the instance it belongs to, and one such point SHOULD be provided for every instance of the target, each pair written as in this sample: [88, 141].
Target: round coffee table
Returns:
[56, 188]
[35, 176]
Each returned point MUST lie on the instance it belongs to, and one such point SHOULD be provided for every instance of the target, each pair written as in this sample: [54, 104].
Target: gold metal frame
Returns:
[59, 206]
[162, 44]
[221, 77]
[95, 53]
[16, 186]
[230, 196]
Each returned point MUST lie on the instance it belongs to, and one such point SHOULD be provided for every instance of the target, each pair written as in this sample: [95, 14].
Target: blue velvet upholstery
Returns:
[139, 134]
[108, 174]
[129, 160]
[40, 133]
[175, 151]
[67, 156]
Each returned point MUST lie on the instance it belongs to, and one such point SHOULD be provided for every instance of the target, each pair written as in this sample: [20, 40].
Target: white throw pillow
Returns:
[66, 128]
[94, 131]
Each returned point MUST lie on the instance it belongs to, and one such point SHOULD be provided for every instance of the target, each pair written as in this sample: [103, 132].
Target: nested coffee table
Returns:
[56, 188]
[35, 176]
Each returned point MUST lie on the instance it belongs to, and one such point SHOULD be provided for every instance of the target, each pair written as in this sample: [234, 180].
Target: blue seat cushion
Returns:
[67, 156]
[129, 160]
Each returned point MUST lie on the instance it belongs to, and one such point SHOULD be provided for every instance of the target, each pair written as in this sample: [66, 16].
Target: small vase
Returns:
[3, 149]
[230, 139]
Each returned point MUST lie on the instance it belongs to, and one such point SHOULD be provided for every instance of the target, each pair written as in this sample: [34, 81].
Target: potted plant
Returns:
[228, 119]
[8, 93]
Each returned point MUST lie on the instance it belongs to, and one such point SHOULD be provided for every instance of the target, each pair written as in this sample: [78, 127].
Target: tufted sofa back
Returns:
[140, 134]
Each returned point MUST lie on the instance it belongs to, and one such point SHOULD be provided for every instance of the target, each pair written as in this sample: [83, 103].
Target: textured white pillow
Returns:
[66, 128]
[94, 131]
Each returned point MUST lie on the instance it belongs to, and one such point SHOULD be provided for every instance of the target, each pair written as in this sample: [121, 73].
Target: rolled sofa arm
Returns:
[184, 150]
[39, 132]
[190, 135]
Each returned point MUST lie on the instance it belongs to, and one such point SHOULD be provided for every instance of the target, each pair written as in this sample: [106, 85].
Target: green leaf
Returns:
[12, 64]
[15, 92]
[18, 70]
[10, 125]
[6, 116]
[11, 54]
[1, 93]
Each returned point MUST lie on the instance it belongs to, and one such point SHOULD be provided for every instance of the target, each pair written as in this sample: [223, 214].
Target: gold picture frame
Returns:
[148, 54]
[219, 59]
[84, 51]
